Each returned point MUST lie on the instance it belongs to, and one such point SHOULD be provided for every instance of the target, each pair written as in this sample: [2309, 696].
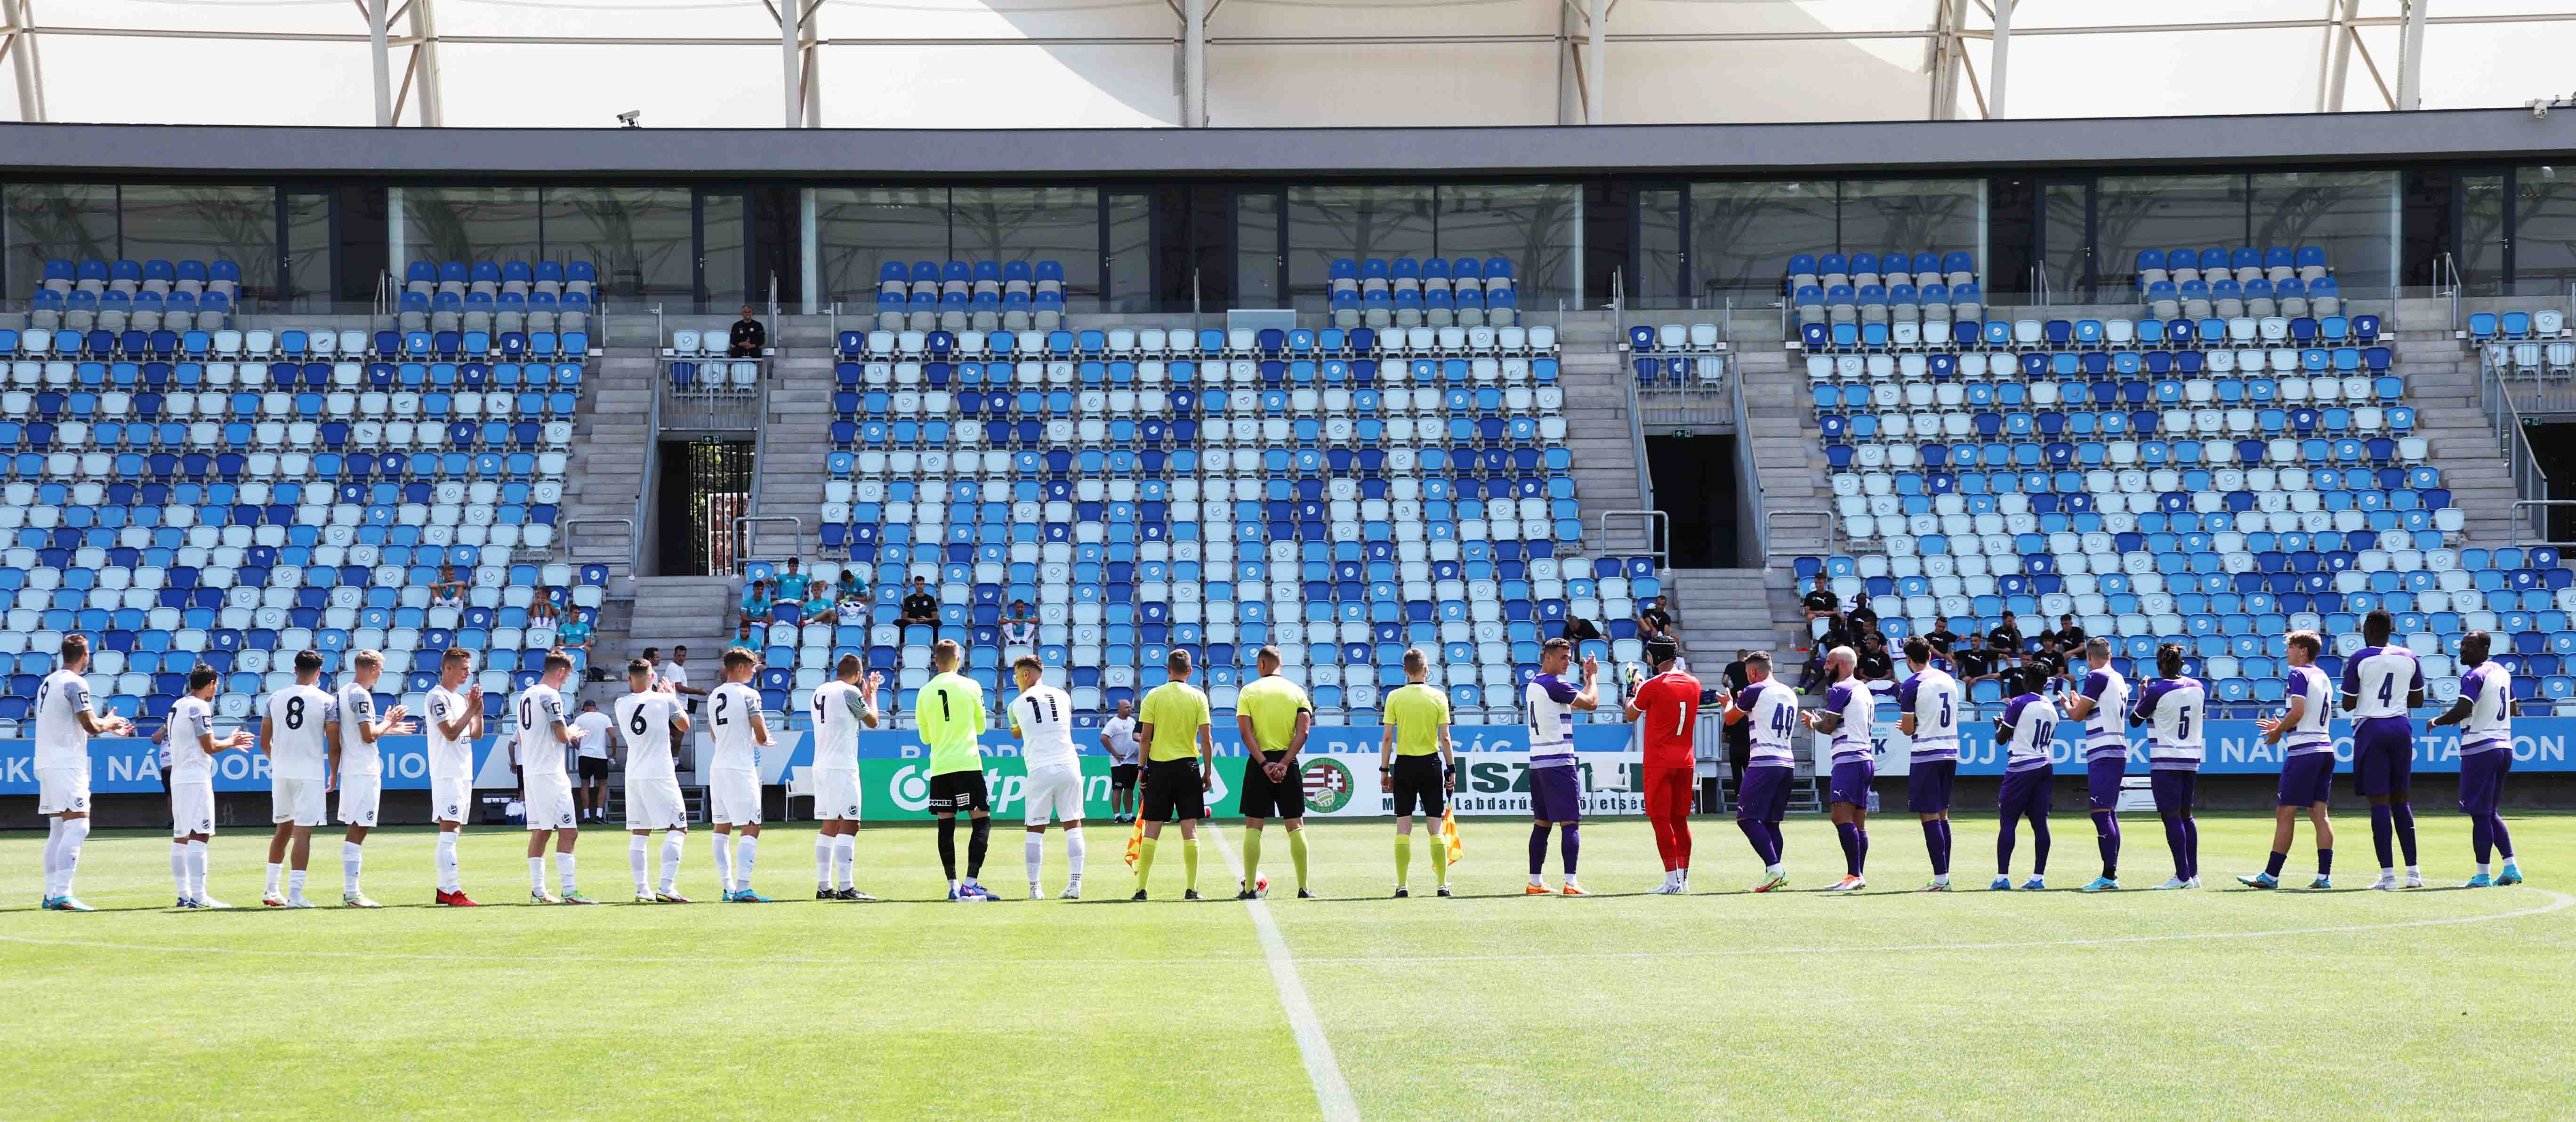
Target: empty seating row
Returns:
[2089, 334]
[1211, 342]
[2491, 326]
[2243, 264]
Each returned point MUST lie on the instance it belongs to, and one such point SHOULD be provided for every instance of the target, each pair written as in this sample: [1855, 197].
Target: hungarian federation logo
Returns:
[1328, 784]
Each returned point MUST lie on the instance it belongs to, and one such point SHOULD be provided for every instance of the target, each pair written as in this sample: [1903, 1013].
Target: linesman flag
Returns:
[1449, 836]
[1136, 842]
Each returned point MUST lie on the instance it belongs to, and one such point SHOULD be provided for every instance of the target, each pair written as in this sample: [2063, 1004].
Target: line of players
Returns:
[318, 741]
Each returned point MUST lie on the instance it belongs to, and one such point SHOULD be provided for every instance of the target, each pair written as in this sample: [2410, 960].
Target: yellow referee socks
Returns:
[1297, 855]
[1190, 864]
[1440, 858]
[1144, 862]
[1251, 858]
[1404, 859]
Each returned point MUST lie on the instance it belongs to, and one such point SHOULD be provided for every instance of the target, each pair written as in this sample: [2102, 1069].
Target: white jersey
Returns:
[1772, 709]
[1852, 700]
[2105, 737]
[837, 711]
[731, 707]
[299, 719]
[541, 753]
[1043, 716]
[356, 705]
[2489, 725]
[644, 719]
[2308, 685]
[450, 760]
[2379, 678]
[190, 719]
[1118, 734]
[2034, 729]
[2178, 709]
[60, 739]
[1931, 697]
[1550, 700]
[594, 735]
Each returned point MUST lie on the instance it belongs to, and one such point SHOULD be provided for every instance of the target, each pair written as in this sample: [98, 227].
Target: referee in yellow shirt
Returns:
[1274, 717]
[1414, 765]
[1180, 756]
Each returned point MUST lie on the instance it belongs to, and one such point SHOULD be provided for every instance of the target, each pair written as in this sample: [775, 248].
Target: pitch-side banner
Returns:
[127, 765]
[1338, 785]
[2233, 747]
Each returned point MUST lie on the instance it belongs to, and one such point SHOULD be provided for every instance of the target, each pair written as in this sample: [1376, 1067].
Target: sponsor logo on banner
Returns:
[1329, 785]
[1499, 783]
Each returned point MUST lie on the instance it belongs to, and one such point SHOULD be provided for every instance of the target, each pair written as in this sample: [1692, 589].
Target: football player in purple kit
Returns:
[2307, 764]
[2375, 679]
[1556, 790]
[2177, 705]
[2100, 703]
[1929, 700]
[2026, 730]
[2484, 713]
[1762, 797]
[1848, 713]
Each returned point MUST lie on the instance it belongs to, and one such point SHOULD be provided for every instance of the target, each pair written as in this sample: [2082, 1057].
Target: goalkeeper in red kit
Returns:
[1666, 708]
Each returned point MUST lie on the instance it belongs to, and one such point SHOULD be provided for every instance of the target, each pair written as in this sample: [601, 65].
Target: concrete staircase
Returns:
[670, 611]
[2442, 384]
[1597, 430]
[796, 424]
[611, 437]
[1788, 448]
[1721, 611]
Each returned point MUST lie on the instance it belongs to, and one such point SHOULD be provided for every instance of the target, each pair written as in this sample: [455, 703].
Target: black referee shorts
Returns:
[1263, 798]
[958, 792]
[1172, 790]
[1421, 781]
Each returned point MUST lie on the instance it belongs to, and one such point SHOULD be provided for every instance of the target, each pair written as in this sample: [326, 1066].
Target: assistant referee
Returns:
[1414, 764]
[1180, 757]
[1274, 717]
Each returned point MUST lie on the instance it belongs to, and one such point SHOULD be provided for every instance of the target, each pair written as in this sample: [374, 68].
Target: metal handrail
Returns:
[564, 532]
[742, 540]
[2513, 529]
[2530, 482]
[1657, 526]
[1748, 468]
[1822, 523]
[1628, 389]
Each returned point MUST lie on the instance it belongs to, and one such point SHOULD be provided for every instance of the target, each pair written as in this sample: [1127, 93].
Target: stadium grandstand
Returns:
[1342, 363]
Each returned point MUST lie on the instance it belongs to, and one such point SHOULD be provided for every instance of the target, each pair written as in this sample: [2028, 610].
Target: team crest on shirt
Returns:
[451, 811]
[852, 812]
[563, 821]
[206, 826]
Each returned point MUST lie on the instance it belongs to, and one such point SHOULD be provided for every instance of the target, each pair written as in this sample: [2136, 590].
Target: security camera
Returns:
[2540, 109]
[631, 116]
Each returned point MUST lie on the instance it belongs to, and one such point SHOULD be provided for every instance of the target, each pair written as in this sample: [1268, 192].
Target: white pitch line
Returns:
[1332, 1091]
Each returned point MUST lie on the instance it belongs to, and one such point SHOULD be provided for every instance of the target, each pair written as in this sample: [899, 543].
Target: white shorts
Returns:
[359, 797]
[733, 797]
[62, 790]
[836, 793]
[655, 804]
[1054, 794]
[296, 800]
[451, 798]
[549, 799]
[192, 808]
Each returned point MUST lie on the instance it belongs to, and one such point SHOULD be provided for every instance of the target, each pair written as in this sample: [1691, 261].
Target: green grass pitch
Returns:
[2217, 1003]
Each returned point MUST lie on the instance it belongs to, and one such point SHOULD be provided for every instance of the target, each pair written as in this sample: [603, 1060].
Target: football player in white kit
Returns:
[64, 725]
[545, 735]
[1762, 796]
[193, 745]
[360, 765]
[455, 722]
[2307, 762]
[1042, 717]
[650, 718]
[2382, 682]
[733, 785]
[841, 706]
[295, 732]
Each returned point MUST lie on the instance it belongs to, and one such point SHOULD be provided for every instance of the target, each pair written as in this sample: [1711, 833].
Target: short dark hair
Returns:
[2169, 660]
[680, 648]
[638, 668]
[1178, 662]
[1024, 662]
[1916, 650]
[75, 648]
[2474, 647]
[2307, 640]
[1661, 651]
[736, 656]
[1268, 654]
[848, 665]
[946, 651]
[2377, 626]
[308, 662]
[1759, 658]
[557, 660]
[201, 676]
[455, 654]
[1415, 662]
[1560, 643]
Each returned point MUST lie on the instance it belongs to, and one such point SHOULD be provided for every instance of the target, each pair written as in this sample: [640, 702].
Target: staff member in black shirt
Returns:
[748, 336]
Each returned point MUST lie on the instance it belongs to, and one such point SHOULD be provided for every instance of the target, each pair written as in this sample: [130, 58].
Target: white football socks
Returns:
[746, 852]
[53, 853]
[295, 884]
[353, 856]
[536, 874]
[67, 861]
[563, 872]
[179, 866]
[276, 873]
[824, 851]
[1074, 848]
[724, 861]
[447, 881]
[1033, 854]
[672, 843]
[197, 871]
[845, 858]
[635, 847]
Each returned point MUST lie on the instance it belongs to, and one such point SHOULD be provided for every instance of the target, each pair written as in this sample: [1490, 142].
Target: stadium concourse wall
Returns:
[1340, 764]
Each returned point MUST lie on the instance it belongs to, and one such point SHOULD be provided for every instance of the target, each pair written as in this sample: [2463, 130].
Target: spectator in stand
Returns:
[541, 611]
[1820, 603]
[573, 634]
[2068, 637]
[1837, 634]
[676, 672]
[755, 600]
[1874, 664]
[1581, 630]
[2006, 637]
[922, 607]
[590, 756]
[1653, 622]
[743, 636]
[790, 585]
[748, 336]
[1019, 631]
[1943, 639]
[1864, 619]
[818, 602]
[850, 585]
[447, 591]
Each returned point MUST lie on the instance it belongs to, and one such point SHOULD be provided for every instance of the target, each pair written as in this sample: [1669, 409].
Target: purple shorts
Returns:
[2482, 780]
[2306, 780]
[2102, 782]
[1555, 795]
[1851, 783]
[2026, 792]
[2383, 755]
[1763, 796]
[2176, 790]
[1927, 786]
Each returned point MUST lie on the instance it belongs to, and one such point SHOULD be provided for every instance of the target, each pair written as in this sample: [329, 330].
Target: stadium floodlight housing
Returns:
[631, 118]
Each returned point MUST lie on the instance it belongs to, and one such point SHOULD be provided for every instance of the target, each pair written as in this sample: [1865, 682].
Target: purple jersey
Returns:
[2308, 685]
[1851, 700]
[2489, 725]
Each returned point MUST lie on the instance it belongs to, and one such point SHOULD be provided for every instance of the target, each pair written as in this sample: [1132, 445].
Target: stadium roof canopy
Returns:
[1259, 63]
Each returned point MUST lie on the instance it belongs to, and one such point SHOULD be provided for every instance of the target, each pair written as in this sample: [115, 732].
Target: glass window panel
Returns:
[237, 224]
[1743, 234]
[1913, 216]
[2061, 214]
[857, 229]
[467, 224]
[2164, 212]
[306, 257]
[721, 230]
[2482, 209]
[1659, 245]
[72, 221]
[638, 238]
[1130, 265]
[1539, 227]
[2544, 229]
[1256, 250]
[2352, 215]
[1060, 224]
[1325, 223]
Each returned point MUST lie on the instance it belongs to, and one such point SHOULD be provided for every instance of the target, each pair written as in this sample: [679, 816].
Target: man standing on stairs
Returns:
[676, 672]
[1739, 737]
